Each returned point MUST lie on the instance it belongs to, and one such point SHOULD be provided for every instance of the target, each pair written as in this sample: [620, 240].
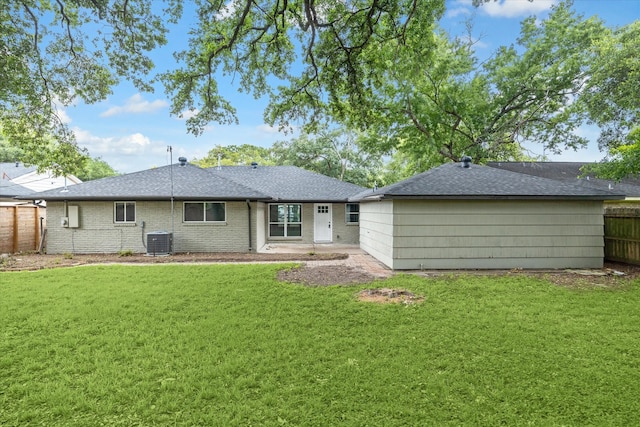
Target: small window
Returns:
[352, 211]
[124, 212]
[204, 212]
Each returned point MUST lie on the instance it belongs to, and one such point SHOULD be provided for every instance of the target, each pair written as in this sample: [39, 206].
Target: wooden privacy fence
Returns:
[20, 228]
[622, 234]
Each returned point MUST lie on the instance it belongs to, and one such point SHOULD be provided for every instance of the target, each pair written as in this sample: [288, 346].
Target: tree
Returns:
[332, 152]
[8, 153]
[88, 168]
[56, 52]
[322, 52]
[236, 155]
[612, 100]
[451, 106]
[95, 168]
[623, 160]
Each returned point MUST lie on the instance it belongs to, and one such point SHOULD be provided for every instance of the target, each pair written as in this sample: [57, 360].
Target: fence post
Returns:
[36, 225]
[16, 233]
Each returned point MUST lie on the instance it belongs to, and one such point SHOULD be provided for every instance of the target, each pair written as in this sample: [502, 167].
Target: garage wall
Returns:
[376, 230]
[492, 234]
[414, 234]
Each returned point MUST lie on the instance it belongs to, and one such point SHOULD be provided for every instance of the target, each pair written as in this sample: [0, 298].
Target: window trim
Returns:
[115, 212]
[347, 213]
[286, 222]
[204, 212]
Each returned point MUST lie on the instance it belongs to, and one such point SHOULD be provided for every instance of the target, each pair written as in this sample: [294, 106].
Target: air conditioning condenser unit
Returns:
[159, 243]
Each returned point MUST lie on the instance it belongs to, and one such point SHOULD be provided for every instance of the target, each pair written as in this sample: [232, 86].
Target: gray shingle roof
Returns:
[285, 183]
[452, 181]
[13, 170]
[570, 172]
[187, 182]
[290, 183]
[11, 189]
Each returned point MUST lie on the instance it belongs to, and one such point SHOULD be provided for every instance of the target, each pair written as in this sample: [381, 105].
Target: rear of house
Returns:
[230, 209]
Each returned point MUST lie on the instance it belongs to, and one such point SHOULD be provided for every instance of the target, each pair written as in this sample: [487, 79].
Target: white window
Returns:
[204, 212]
[285, 220]
[124, 212]
[352, 211]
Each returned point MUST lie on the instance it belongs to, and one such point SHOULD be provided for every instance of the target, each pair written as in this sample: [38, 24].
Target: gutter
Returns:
[249, 223]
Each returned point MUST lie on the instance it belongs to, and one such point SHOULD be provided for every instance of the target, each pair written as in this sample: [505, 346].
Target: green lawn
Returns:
[227, 345]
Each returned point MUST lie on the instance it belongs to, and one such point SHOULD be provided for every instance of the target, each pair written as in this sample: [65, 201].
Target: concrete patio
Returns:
[357, 257]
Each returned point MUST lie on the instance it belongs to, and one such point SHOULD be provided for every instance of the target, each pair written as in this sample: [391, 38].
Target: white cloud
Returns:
[515, 8]
[136, 105]
[135, 143]
[187, 114]
[452, 13]
[227, 10]
[61, 112]
[264, 128]
[63, 116]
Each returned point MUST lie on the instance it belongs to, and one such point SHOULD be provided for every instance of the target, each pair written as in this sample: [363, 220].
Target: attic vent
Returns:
[182, 160]
[159, 243]
[466, 162]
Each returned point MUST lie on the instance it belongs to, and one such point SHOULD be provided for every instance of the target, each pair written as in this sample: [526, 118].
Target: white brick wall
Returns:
[99, 234]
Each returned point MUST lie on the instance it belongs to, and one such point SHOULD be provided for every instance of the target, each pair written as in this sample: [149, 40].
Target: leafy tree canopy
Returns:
[56, 52]
[321, 55]
[332, 152]
[367, 64]
[451, 105]
[95, 169]
[236, 155]
[87, 168]
[612, 99]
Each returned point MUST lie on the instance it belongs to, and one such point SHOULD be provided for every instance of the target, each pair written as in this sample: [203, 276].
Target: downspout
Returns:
[249, 223]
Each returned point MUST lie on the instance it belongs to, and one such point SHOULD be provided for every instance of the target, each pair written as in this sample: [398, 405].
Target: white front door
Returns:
[322, 229]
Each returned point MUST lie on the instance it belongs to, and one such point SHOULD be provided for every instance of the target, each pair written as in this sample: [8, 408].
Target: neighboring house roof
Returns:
[10, 171]
[189, 182]
[10, 189]
[13, 170]
[570, 172]
[290, 183]
[453, 181]
[29, 178]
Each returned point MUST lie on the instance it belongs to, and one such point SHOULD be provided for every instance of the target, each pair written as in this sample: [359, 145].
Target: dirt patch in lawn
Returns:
[38, 262]
[325, 275]
[389, 296]
[612, 276]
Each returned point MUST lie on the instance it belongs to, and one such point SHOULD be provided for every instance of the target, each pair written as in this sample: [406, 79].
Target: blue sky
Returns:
[131, 130]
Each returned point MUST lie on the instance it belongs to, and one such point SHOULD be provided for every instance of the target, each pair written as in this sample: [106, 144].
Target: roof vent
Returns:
[466, 162]
[254, 165]
[182, 160]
